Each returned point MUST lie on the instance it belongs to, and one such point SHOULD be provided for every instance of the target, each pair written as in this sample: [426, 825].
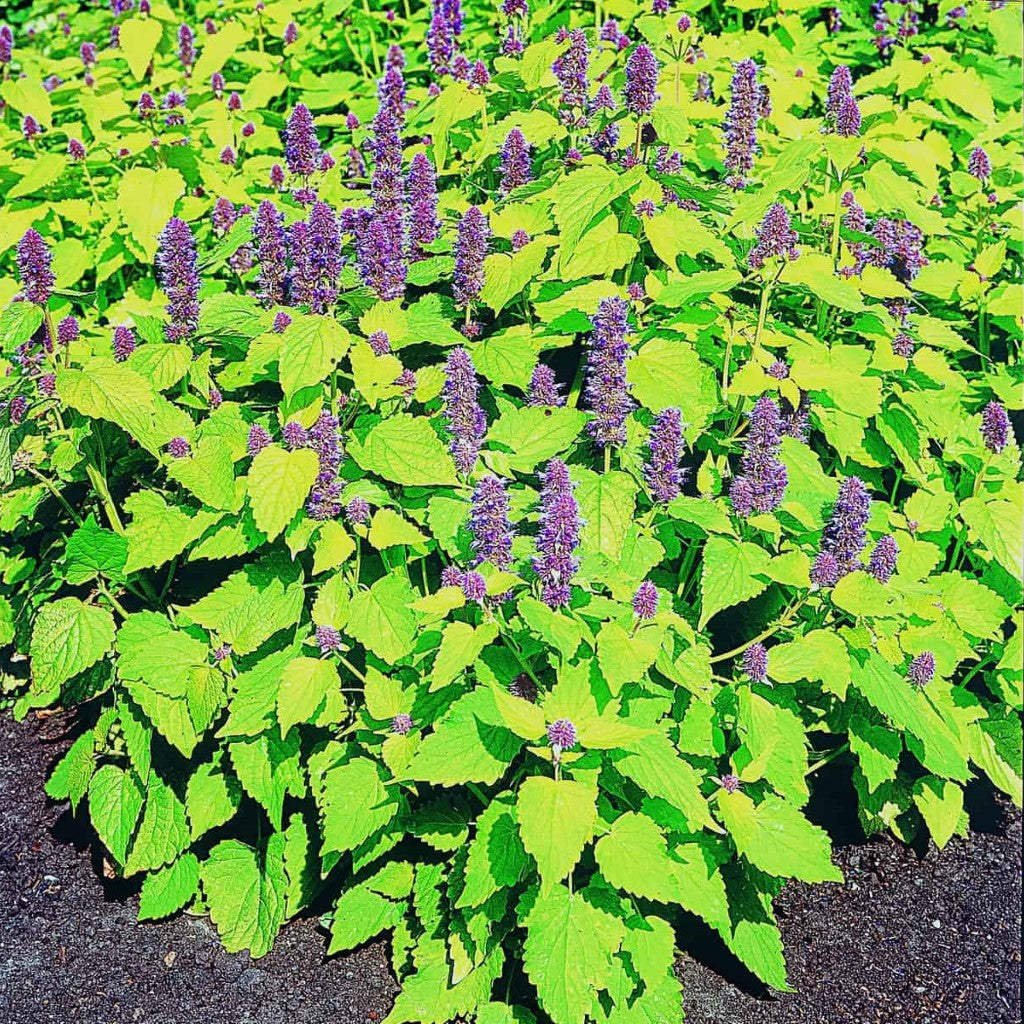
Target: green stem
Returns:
[779, 623]
[99, 485]
[980, 478]
[373, 37]
[607, 458]
[56, 494]
[828, 759]
[113, 600]
[576, 388]
[348, 664]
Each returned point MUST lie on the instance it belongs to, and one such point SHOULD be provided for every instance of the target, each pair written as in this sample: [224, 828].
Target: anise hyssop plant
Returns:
[469, 466]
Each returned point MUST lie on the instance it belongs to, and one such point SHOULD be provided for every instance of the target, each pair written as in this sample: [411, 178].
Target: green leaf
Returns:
[93, 551]
[355, 804]
[209, 473]
[533, 435]
[556, 820]
[941, 804]
[625, 657]
[496, 858]
[382, 620]
[152, 650]
[580, 196]
[651, 945]
[146, 200]
[70, 778]
[67, 637]
[996, 524]
[668, 373]
[313, 346]
[115, 802]
[606, 502]
[507, 274]
[728, 576]
[388, 529]
[305, 683]
[168, 890]
[680, 290]
[279, 483]
[269, 769]
[568, 952]
[359, 915]
[163, 832]
[251, 605]
[211, 799]
[139, 38]
[158, 531]
[461, 645]
[777, 839]
[907, 707]
[405, 450]
[469, 744]
[654, 764]
[245, 894]
[775, 746]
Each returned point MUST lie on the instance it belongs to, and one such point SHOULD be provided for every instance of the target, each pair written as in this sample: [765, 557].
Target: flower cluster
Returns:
[489, 523]
[466, 421]
[177, 263]
[761, 486]
[607, 390]
[559, 536]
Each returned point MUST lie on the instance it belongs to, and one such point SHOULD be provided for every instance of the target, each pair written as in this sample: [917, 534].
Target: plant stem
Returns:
[773, 628]
[56, 494]
[348, 664]
[827, 759]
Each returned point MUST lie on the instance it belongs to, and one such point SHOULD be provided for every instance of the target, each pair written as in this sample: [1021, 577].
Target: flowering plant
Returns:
[480, 484]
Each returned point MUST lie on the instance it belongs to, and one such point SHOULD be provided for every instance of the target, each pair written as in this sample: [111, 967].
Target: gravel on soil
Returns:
[914, 937]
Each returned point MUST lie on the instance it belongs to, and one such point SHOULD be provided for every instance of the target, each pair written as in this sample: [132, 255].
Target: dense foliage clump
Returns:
[469, 466]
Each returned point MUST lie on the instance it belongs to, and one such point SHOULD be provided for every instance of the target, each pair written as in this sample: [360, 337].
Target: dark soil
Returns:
[914, 937]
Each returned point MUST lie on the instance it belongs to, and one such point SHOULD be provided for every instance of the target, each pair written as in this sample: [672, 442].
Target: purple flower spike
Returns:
[489, 523]
[825, 571]
[903, 345]
[607, 388]
[761, 485]
[324, 500]
[451, 576]
[316, 258]
[380, 345]
[422, 190]
[123, 343]
[730, 783]
[645, 601]
[755, 663]
[515, 162]
[848, 119]
[995, 427]
[519, 239]
[186, 48]
[281, 322]
[30, 127]
[745, 110]
[470, 250]
[775, 237]
[328, 639]
[291, 33]
[845, 534]
[302, 148]
[544, 388]
[179, 278]
[571, 71]
[559, 535]
[474, 587]
[294, 435]
[466, 421]
[258, 439]
[979, 164]
[269, 238]
[641, 81]
[922, 669]
[67, 331]
[401, 725]
[6, 44]
[440, 44]
[703, 93]
[779, 370]
[357, 511]
[840, 88]
[562, 735]
[882, 563]
[34, 259]
[665, 446]
[179, 448]
[76, 150]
